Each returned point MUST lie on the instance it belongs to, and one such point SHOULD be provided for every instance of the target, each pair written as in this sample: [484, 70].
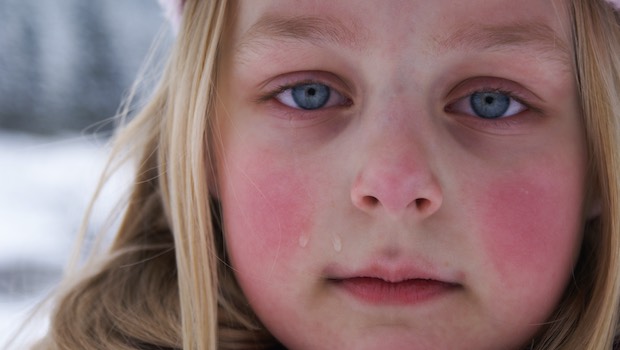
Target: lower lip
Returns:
[378, 291]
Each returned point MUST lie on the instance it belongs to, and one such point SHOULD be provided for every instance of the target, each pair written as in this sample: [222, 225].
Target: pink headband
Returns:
[173, 10]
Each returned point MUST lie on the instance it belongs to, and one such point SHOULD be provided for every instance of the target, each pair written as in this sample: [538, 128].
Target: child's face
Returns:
[401, 174]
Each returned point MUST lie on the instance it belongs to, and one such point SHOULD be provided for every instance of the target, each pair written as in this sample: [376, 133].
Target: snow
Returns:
[46, 49]
[45, 187]
[12, 317]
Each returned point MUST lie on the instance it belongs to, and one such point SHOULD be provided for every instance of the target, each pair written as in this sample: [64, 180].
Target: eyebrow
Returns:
[473, 37]
[539, 36]
[313, 29]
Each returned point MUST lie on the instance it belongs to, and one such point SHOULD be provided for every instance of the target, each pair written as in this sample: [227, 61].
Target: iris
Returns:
[489, 105]
[310, 96]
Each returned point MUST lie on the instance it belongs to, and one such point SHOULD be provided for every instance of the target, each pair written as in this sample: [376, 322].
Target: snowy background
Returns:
[64, 67]
[43, 193]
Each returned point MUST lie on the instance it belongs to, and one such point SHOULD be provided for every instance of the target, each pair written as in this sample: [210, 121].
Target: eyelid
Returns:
[491, 84]
[465, 103]
[334, 97]
[283, 82]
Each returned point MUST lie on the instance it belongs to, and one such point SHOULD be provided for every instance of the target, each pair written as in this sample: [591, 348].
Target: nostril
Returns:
[396, 195]
[422, 204]
[370, 201]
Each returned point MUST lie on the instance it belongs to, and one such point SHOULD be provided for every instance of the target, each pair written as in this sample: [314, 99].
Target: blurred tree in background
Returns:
[66, 64]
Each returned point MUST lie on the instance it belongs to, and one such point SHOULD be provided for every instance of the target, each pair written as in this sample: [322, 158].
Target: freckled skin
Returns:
[405, 187]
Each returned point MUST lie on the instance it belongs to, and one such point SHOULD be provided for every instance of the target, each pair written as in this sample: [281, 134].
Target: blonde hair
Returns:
[165, 282]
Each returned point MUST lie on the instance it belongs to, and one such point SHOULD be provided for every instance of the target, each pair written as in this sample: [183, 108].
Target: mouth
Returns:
[378, 286]
[378, 291]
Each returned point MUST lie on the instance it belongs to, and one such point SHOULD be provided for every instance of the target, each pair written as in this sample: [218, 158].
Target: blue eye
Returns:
[310, 96]
[488, 105]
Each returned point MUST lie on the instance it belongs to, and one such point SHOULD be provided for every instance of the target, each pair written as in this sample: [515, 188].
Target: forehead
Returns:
[439, 24]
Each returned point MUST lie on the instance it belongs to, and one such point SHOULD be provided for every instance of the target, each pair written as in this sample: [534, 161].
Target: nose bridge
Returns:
[397, 172]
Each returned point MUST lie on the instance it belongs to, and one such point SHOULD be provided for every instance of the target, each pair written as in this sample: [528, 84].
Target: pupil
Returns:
[310, 96]
[489, 105]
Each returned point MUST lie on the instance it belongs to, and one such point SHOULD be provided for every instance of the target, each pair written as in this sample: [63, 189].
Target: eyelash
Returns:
[463, 91]
[497, 88]
[280, 90]
[511, 95]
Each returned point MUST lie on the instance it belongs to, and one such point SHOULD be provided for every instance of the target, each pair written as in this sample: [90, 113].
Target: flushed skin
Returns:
[166, 281]
[326, 211]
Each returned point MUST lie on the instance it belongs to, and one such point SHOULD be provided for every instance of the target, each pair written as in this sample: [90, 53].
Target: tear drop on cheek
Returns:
[303, 241]
[337, 243]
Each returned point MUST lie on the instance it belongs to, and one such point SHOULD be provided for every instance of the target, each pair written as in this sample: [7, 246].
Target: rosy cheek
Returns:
[267, 209]
[532, 229]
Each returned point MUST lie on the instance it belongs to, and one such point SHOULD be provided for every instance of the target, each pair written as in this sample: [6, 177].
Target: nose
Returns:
[396, 177]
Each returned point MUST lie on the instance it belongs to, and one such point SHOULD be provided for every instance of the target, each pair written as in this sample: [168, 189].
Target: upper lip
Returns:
[393, 273]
